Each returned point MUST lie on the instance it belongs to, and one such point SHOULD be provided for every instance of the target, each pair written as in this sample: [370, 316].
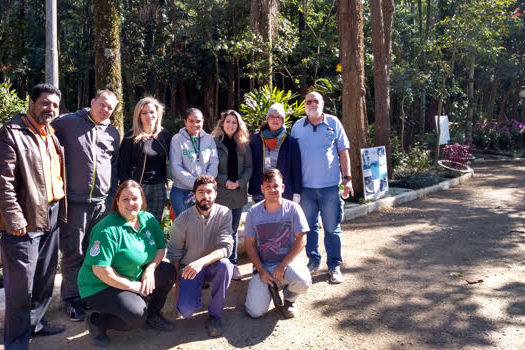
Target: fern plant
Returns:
[257, 102]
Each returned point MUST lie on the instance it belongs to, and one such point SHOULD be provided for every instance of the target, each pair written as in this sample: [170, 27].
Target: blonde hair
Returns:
[138, 130]
[241, 135]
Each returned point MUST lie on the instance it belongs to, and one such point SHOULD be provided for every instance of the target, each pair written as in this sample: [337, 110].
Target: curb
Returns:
[349, 214]
[389, 202]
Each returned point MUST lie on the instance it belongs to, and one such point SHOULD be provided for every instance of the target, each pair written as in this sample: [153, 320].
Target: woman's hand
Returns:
[148, 281]
[135, 287]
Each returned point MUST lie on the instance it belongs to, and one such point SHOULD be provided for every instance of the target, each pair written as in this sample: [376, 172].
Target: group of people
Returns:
[69, 183]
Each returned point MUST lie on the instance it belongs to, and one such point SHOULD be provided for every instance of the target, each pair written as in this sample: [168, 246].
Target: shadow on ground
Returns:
[418, 285]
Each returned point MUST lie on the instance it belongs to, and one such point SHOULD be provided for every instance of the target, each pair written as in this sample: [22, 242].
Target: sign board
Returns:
[375, 172]
[444, 136]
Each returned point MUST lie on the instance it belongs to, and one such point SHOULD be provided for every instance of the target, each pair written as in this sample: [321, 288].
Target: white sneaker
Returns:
[236, 273]
[336, 276]
[313, 268]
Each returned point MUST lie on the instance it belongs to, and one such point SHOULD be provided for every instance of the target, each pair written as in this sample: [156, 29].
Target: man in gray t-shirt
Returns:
[274, 236]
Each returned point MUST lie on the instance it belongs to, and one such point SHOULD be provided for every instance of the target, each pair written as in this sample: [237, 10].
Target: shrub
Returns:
[502, 135]
[257, 102]
[408, 163]
[10, 103]
[457, 153]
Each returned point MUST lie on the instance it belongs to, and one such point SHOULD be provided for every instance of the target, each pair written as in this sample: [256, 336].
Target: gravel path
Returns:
[443, 272]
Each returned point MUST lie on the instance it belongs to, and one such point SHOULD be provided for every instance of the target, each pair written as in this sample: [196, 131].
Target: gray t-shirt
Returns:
[274, 232]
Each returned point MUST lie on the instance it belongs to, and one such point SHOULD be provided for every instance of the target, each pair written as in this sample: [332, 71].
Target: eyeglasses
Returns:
[275, 117]
[309, 102]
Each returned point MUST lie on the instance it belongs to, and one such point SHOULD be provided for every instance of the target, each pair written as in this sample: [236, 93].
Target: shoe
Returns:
[336, 276]
[158, 322]
[276, 297]
[236, 273]
[48, 330]
[214, 327]
[205, 285]
[75, 309]
[98, 334]
[289, 309]
[313, 267]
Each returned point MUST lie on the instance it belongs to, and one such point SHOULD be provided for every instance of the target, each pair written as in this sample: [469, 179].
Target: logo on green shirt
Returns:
[95, 250]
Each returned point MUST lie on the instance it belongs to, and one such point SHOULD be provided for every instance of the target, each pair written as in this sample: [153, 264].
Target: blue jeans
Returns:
[178, 198]
[236, 218]
[190, 291]
[326, 201]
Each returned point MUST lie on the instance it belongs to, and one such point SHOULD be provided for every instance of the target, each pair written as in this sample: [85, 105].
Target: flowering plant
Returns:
[458, 153]
[501, 135]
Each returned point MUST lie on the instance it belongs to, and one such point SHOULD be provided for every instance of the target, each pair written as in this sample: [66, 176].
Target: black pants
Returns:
[29, 264]
[123, 310]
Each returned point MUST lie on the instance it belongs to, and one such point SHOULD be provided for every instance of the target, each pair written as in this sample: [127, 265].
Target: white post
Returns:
[51, 43]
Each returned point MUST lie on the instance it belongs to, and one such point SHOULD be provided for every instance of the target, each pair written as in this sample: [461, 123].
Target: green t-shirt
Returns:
[113, 242]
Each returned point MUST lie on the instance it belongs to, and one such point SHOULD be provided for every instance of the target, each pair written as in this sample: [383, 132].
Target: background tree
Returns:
[107, 53]
[350, 19]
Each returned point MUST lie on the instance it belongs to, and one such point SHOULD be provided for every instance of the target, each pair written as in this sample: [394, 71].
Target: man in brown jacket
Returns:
[32, 189]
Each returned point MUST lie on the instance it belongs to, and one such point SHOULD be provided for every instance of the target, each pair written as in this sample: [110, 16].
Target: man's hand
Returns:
[230, 185]
[348, 189]
[279, 271]
[265, 276]
[19, 232]
[191, 270]
[148, 281]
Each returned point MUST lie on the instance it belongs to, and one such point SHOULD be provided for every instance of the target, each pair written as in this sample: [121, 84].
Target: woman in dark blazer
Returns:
[273, 148]
[235, 170]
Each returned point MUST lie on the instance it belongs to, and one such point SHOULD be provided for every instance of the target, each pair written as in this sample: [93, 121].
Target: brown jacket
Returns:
[23, 194]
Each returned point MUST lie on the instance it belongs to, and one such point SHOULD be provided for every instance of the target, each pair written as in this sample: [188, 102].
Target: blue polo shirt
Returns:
[319, 147]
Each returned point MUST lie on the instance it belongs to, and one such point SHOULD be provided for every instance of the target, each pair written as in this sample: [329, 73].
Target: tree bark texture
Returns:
[108, 73]
[382, 18]
[470, 94]
[350, 24]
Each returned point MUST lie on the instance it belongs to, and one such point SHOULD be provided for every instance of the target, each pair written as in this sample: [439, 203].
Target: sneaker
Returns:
[98, 334]
[313, 267]
[158, 322]
[236, 273]
[75, 309]
[289, 309]
[214, 327]
[336, 276]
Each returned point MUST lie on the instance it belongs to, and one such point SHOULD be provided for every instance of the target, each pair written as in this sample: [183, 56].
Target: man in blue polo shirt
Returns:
[325, 164]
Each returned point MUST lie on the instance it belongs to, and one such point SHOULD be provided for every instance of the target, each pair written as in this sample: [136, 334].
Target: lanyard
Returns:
[197, 148]
[39, 134]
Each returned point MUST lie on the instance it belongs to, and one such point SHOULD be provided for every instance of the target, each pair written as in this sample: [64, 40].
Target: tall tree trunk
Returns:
[303, 12]
[502, 112]
[470, 92]
[382, 17]
[350, 25]
[231, 84]
[492, 97]
[263, 21]
[107, 53]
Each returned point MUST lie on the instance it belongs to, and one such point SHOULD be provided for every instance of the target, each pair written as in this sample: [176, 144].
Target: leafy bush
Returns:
[257, 102]
[457, 153]
[10, 103]
[502, 135]
[408, 163]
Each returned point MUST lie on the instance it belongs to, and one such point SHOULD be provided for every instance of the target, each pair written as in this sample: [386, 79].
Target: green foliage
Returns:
[10, 103]
[502, 135]
[257, 102]
[408, 163]
[331, 91]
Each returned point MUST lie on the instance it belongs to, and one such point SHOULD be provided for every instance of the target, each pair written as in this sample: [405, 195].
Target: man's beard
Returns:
[314, 113]
[204, 207]
[44, 118]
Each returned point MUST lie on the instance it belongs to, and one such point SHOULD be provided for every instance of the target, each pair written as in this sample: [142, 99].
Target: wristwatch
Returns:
[349, 178]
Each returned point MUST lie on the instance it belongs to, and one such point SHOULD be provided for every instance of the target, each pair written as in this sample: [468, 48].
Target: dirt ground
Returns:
[443, 272]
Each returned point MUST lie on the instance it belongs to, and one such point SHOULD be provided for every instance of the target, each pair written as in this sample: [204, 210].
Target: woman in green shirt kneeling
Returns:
[124, 278]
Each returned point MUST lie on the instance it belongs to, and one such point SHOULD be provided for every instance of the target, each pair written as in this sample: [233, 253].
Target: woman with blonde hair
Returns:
[235, 170]
[144, 153]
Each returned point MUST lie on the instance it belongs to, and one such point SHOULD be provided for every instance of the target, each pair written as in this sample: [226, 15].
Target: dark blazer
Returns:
[237, 198]
[288, 163]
